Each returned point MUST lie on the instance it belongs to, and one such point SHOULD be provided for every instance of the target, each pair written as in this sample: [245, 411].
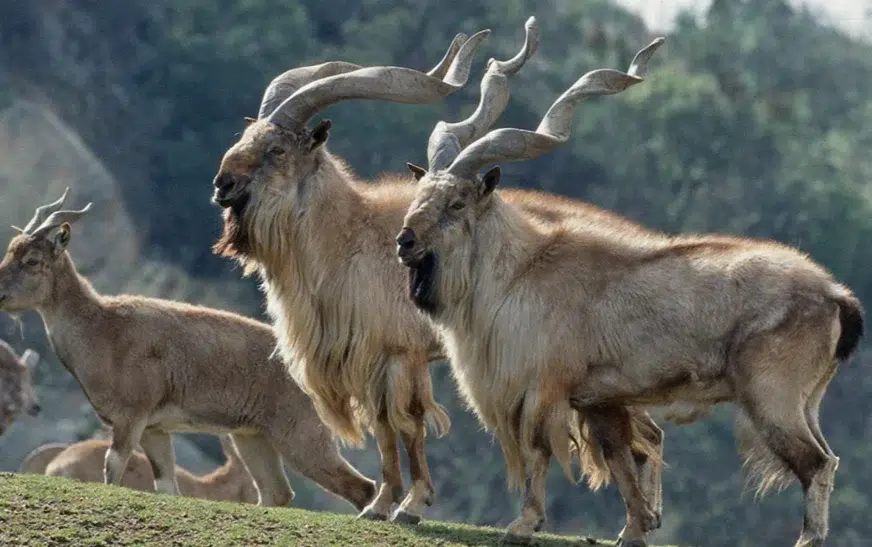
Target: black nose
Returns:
[406, 239]
[35, 410]
[224, 181]
[227, 181]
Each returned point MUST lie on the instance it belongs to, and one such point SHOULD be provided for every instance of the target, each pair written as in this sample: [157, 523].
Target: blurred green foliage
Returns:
[755, 120]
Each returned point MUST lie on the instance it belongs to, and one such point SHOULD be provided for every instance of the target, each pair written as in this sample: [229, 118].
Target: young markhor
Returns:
[151, 367]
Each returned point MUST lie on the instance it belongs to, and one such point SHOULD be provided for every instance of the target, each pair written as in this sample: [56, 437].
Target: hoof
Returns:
[591, 541]
[369, 514]
[631, 543]
[514, 539]
[403, 517]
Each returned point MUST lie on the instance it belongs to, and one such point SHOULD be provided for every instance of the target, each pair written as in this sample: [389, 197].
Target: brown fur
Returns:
[17, 393]
[38, 459]
[323, 245]
[83, 461]
[151, 367]
[558, 316]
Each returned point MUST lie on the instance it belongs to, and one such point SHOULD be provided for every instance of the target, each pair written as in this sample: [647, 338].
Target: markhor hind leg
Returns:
[264, 464]
[650, 468]
[613, 430]
[790, 439]
[812, 407]
[782, 380]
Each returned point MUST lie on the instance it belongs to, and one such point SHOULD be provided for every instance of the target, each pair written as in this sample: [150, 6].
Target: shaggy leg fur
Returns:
[532, 516]
[650, 469]
[612, 428]
[391, 490]
[421, 493]
[784, 375]
[264, 464]
[158, 448]
[125, 436]
[327, 468]
[793, 442]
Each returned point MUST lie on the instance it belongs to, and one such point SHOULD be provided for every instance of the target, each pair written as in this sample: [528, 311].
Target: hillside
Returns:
[755, 121]
[36, 510]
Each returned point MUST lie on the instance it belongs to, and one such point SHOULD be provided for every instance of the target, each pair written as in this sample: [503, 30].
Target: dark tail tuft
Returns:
[851, 318]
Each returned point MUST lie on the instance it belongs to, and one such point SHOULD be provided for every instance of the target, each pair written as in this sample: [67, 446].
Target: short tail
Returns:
[851, 319]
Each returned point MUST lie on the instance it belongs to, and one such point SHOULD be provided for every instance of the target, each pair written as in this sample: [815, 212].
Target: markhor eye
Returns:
[275, 151]
[458, 205]
[31, 261]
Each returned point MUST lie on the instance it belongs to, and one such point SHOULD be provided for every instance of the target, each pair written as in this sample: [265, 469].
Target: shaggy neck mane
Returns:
[505, 245]
[288, 233]
[310, 246]
[503, 236]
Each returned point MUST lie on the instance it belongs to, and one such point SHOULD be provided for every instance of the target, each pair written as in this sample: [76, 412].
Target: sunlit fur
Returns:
[541, 318]
[500, 397]
[83, 461]
[323, 244]
[315, 251]
[151, 367]
[17, 393]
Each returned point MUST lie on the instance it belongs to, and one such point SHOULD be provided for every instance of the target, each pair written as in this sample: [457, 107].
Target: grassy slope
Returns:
[37, 510]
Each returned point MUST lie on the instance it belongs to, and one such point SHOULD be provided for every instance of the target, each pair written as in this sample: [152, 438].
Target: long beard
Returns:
[234, 242]
[422, 284]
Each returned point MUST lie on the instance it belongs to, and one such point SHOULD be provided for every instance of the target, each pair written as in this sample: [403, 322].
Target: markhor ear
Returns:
[249, 121]
[417, 172]
[490, 180]
[319, 135]
[62, 238]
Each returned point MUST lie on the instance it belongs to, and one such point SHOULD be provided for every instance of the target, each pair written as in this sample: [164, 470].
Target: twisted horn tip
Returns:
[639, 64]
[60, 201]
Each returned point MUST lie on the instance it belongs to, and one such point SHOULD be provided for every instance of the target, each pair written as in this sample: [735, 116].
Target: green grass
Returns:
[38, 510]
